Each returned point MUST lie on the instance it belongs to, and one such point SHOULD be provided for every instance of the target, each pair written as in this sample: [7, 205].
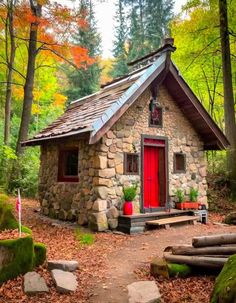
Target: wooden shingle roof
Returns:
[94, 115]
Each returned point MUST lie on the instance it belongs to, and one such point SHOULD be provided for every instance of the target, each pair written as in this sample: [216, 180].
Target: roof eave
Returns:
[40, 141]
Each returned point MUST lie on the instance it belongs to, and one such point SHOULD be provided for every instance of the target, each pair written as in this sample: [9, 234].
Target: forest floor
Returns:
[112, 262]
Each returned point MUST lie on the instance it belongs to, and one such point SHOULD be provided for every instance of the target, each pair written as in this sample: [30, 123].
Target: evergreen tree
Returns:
[137, 46]
[83, 82]
[158, 14]
[148, 24]
[120, 65]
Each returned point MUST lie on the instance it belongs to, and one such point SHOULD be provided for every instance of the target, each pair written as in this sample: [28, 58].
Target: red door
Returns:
[151, 177]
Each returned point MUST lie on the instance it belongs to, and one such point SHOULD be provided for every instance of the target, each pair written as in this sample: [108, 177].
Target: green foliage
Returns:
[180, 195]
[193, 194]
[40, 253]
[22, 251]
[179, 270]
[7, 219]
[25, 173]
[130, 192]
[225, 285]
[84, 238]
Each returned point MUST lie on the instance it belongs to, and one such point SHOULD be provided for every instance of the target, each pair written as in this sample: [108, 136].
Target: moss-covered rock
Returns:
[225, 285]
[7, 219]
[159, 267]
[21, 257]
[179, 270]
[40, 252]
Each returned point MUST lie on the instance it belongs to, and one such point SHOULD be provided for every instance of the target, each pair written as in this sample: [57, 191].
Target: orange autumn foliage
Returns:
[55, 27]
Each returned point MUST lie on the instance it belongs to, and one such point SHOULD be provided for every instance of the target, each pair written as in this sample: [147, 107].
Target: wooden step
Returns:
[168, 221]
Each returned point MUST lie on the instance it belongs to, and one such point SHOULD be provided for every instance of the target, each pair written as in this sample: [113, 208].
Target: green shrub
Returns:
[130, 192]
[193, 194]
[180, 195]
[25, 173]
[40, 253]
[3, 198]
[22, 262]
[84, 238]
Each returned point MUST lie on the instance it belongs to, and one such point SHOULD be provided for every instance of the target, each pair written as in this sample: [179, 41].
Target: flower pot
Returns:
[187, 205]
[128, 208]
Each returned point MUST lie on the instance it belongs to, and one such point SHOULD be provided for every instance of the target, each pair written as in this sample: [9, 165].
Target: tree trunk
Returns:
[214, 240]
[201, 261]
[229, 112]
[192, 251]
[29, 82]
[10, 65]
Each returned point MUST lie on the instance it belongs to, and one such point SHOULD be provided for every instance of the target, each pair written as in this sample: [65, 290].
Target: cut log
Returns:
[214, 240]
[196, 260]
[192, 251]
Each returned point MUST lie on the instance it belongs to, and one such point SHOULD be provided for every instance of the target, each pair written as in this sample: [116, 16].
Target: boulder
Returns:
[98, 221]
[143, 292]
[100, 205]
[63, 265]
[159, 267]
[34, 283]
[112, 223]
[65, 281]
[112, 213]
[225, 286]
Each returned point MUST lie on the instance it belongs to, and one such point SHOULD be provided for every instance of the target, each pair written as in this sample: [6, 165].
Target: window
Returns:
[68, 165]
[179, 163]
[155, 118]
[131, 164]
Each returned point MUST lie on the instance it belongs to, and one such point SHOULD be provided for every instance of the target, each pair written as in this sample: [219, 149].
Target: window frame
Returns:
[61, 177]
[150, 118]
[126, 172]
[179, 171]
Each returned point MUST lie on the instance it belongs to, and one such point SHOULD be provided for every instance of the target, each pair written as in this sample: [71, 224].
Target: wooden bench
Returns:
[173, 220]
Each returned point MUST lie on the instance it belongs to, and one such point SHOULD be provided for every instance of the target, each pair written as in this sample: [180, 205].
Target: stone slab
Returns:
[34, 283]
[143, 292]
[65, 281]
[63, 265]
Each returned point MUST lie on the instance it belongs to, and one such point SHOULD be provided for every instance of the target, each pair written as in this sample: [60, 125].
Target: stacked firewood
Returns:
[208, 251]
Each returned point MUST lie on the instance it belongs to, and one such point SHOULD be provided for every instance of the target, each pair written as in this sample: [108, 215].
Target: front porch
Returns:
[137, 223]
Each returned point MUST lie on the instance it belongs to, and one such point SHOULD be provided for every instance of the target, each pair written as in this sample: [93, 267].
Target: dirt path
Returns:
[139, 250]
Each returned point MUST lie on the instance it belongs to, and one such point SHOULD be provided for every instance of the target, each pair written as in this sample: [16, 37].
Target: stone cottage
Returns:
[146, 127]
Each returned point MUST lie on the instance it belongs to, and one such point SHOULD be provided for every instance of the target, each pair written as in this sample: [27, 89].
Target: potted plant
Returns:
[191, 204]
[193, 195]
[130, 193]
[180, 196]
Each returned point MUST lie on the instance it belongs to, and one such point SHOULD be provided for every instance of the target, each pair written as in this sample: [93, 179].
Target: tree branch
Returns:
[199, 54]
[60, 56]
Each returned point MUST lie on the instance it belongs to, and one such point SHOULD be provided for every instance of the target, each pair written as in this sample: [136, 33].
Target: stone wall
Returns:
[65, 200]
[98, 194]
[125, 136]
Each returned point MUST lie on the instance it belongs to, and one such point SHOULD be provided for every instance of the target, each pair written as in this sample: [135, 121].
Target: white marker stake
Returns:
[19, 210]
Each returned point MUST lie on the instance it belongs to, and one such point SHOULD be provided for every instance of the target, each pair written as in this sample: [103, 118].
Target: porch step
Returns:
[173, 220]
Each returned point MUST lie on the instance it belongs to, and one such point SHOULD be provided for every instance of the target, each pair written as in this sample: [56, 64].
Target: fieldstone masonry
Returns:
[97, 197]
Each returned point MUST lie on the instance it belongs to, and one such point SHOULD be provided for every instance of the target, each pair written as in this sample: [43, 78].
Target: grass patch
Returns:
[84, 238]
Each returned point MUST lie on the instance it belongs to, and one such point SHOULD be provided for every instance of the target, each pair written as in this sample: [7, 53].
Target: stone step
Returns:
[173, 220]
[63, 265]
[34, 283]
[143, 292]
[65, 281]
